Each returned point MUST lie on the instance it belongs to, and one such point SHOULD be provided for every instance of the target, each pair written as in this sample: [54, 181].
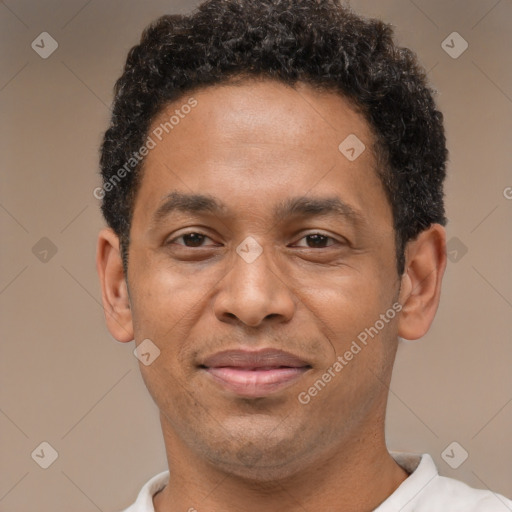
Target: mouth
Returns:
[254, 374]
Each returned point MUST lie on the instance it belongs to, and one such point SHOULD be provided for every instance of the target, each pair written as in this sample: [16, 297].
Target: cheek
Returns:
[165, 308]
[354, 381]
[168, 302]
[356, 316]
[167, 296]
[346, 301]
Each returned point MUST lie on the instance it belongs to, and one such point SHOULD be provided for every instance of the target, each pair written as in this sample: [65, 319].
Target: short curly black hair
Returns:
[319, 42]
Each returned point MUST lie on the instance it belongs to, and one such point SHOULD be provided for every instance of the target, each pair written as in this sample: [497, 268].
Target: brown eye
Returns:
[192, 239]
[316, 241]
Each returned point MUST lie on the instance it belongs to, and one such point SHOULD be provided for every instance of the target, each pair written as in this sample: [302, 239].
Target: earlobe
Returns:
[114, 291]
[421, 282]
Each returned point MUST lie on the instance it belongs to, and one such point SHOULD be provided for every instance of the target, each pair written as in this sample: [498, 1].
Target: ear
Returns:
[421, 282]
[114, 290]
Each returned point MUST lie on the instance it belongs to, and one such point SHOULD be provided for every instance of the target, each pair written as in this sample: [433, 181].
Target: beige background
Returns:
[65, 381]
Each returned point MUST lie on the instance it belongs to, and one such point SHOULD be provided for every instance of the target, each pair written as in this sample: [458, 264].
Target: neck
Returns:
[357, 476]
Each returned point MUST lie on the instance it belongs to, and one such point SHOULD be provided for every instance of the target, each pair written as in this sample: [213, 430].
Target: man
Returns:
[273, 185]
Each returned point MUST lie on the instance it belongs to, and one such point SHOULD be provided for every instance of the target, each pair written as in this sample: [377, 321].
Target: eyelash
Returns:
[172, 241]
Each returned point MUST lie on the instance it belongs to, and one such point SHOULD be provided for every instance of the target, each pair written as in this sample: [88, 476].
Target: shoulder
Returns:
[460, 497]
[426, 491]
[144, 502]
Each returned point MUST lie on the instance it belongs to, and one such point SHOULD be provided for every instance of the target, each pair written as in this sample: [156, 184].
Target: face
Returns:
[253, 292]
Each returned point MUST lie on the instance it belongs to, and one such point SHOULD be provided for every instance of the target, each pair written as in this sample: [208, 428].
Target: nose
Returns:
[252, 293]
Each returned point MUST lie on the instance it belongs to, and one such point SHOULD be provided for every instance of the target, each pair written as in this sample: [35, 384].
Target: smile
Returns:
[255, 374]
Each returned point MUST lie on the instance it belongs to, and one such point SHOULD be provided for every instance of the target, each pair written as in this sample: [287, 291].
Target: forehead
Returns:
[259, 140]
[265, 110]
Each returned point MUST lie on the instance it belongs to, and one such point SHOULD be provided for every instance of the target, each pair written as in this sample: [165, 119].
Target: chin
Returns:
[251, 465]
[259, 457]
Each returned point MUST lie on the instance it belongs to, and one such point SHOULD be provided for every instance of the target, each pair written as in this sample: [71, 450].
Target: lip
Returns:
[255, 374]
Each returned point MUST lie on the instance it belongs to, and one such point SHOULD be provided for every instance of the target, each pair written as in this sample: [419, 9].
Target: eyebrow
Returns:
[301, 206]
[187, 203]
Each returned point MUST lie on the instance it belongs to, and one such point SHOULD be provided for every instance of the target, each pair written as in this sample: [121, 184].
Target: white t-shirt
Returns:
[423, 491]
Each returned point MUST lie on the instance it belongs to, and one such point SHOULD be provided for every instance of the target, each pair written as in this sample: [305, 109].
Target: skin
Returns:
[251, 146]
